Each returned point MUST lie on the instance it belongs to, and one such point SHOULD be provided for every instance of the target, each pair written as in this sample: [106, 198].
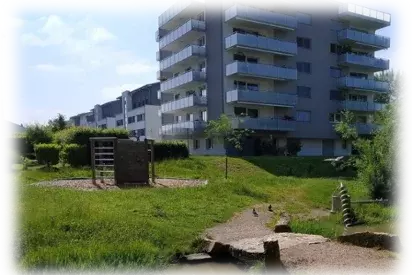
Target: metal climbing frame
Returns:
[103, 158]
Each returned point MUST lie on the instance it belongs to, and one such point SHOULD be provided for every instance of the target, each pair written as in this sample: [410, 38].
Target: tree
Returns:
[346, 128]
[59, 123]
[394, 80]
[222, 129]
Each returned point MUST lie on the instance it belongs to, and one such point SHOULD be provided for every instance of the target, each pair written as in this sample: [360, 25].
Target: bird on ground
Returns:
[270, 208]
[254, 212]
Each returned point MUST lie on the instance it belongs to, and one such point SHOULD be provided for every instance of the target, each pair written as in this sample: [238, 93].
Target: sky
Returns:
[68, 62]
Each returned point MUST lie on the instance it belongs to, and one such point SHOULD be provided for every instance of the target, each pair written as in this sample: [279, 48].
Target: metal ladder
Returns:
[103, 158]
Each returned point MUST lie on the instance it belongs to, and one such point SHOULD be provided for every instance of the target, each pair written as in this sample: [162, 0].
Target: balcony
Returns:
[260, 44]
[361, 16]
[355, 83]
[364, 40]
[182, 59]
[178, 13]
[264, 123]
[364, 62]
[366, 128]
[183, 129]
[268, 98]
[260, 18]
[187, 103]
[360, 106]
[261, 70]
[183, 35]
[184, 81]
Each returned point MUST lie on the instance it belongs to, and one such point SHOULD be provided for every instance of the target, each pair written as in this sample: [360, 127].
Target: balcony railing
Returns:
[186, 102]
[362, 106]
[166, 19]
[356, 12]
[183, 128]
[369, 39]
[264, 123]
[261, 70]
[379, 64]
[261, 98]
[191, 51]
[366, 128]
[182, 80]
[261, 43]
[349, 82]
[190, 26]
[261, 17]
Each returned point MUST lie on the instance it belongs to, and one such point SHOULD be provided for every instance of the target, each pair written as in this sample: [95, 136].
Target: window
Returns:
[304, 42]
[335, 72]
[361, 98]
[203, 115]
[209, 144]
[252, 113]
[335, 95]
[201, 16]
[304, 67]
[242, 31]
[146, 101]
[201, 41]
[202, 66]
[141, 132]
[304, 18]
[303, 116]
[104, 126]
[252, 60]
[178, 118]
[253, 87]
[196, 144]
[189, 93]
[140, 117]
[119, 122]
[131, 119]
[246, 86]
[335, 117]
[336, 48]
[177, 96]
[239, 57]
[189, 117]
[304, 92]
[240, 111]
[359, 75]
[344, 144]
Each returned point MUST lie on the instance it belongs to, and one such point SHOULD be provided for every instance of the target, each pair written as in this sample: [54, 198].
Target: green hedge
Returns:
[170, 150]
[22, 147]
[47, 153]
[10, 157]
[75, 155]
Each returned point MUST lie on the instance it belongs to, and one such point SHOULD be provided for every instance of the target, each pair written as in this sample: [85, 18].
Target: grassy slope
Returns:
[145, 227]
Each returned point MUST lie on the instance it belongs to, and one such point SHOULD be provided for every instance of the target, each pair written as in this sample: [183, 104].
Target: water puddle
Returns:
[205, 269]
[402, 229]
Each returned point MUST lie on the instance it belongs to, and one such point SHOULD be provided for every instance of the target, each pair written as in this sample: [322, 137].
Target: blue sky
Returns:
[71, 61]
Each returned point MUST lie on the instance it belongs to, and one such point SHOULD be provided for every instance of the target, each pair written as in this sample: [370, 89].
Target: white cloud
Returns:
[399, 59]
[13, 22]
[100, 34]
[111, 93]
[136, 68]
[58, 69]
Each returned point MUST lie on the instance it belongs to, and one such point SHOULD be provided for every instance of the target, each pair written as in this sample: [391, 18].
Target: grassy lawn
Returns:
[146, 227]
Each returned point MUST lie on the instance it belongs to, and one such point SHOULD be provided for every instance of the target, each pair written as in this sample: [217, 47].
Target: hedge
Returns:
[75, 155]
[22, 146]
[47, 153]
[170, 150]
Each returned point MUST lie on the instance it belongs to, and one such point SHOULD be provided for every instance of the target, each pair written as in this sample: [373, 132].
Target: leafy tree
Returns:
[57, 124]
[36, 134]
[345, 128]
[222, 129]
[400, 86]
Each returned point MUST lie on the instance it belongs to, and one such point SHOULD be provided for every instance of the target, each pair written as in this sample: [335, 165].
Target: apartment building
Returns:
[284, 74]
[138, 111]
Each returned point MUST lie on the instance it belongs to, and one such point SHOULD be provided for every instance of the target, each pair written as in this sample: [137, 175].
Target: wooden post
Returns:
[114, 160]
[152, 160]
[93, 161]
[272, 255]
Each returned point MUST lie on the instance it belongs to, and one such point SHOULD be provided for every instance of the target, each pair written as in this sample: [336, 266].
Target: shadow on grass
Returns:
[301, 167]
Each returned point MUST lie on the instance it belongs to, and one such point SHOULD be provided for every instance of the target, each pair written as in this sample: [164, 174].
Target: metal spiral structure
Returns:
[348, 217]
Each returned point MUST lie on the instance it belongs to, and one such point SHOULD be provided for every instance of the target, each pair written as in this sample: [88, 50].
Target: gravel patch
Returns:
[108, 184]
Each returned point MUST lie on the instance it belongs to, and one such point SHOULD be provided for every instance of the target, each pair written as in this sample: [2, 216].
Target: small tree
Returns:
[222, 129]
[57, 124]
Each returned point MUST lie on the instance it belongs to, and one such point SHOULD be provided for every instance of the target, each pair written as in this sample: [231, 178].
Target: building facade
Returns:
[138, 111]
[284, 74]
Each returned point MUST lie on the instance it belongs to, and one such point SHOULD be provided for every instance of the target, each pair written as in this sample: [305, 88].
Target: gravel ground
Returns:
[88, 185]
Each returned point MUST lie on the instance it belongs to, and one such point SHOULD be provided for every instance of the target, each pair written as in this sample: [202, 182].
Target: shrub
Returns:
[293, 146]
[169, 150]
[22, 146]
[47, 153]
[10, 157]
[75, 155]
[38, 134]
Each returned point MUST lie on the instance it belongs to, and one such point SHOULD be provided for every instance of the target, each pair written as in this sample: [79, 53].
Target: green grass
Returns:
[146, 227]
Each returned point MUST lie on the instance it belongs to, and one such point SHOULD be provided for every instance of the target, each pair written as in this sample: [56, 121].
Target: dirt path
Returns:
[319, 258]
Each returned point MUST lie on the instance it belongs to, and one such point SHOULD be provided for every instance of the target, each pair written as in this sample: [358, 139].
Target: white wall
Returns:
[152, 122]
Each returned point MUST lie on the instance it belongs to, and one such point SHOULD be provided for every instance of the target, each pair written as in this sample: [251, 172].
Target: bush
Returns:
[75, 155]
[38, 134]
[10, 157]
[170, 150]
[293, 146]
[22, 146]
[47, 153]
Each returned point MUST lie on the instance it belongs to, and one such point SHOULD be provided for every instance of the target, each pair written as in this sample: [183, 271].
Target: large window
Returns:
[335, 117]
[140, 117]
[303, 116]
[304, 18]
[209, 144]
[304, 92]
[304, 67]
[119, 122]
[304, 42]
[196, 144]
[131, 119]
[241, 85]
[241, 111]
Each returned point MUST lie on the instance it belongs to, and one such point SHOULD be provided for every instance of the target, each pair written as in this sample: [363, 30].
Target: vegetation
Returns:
[47, 154]
[75, 155]
[58, 124]
[170, 150]
[146, 227]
